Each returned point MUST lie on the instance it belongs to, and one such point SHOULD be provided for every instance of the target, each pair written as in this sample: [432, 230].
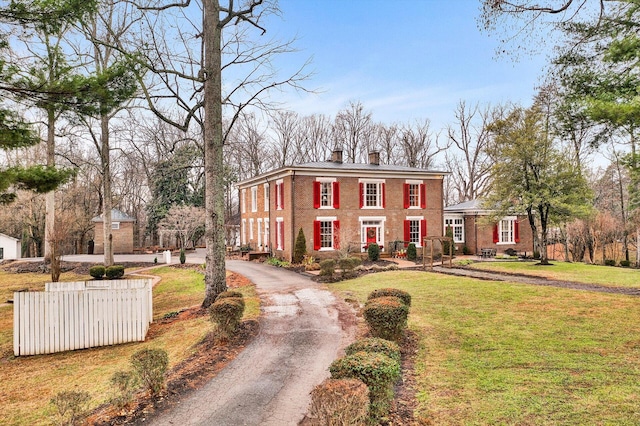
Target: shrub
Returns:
[114, 272]
[232, 294]
[466, 250]
[412, 253]
[227, 313]
[400, 294]
[448, 245]
[327, 267]
[125, 383]
[338, 402]
[274, 261]
[625, 263]
[373, 252]
[150, 366]
[300, 248]
[386, 317]
[183, 257]
[70, 406]
[377, 345]
[377, 371]
[97, 271]
[609, 262]
[348, 263]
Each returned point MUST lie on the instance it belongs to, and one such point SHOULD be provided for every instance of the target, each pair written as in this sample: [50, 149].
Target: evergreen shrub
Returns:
[338, 402]
[97, 271]
[377, 345]
[400, 294]
[150, 366]
[300, 248]
[327, 267]
[412, 253]
[373, 252]
[227, 314]
[114, 272]
[386, 317]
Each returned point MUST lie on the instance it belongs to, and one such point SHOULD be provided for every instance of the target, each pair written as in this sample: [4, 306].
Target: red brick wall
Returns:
[484, 233]
[122, 238]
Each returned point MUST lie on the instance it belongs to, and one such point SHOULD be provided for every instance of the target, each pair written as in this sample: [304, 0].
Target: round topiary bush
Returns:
[386, 317]
[377, 345]
[373, 252]
[376, 370]
[97, 271]
[232, 294]
[327, 267]
[227, 313]
[339, 402]
[400, 294]
[114, 272]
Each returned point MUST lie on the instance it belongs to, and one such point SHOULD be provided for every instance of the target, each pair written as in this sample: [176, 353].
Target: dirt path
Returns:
[497, 276]
[302, 330]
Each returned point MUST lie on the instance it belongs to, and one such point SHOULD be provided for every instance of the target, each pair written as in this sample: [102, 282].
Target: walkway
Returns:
[496, 276]
[270, 381]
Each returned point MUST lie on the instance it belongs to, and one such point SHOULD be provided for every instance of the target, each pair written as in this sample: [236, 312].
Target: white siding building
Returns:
[10, 248]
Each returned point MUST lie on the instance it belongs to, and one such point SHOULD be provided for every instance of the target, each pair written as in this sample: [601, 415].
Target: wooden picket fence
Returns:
[79, 315]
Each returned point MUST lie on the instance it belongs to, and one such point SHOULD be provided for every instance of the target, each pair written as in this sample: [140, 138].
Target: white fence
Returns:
[80, 315]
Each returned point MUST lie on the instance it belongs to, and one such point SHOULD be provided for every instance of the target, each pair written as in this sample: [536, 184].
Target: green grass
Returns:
[579, 272]
[28, 383]
[501, 353]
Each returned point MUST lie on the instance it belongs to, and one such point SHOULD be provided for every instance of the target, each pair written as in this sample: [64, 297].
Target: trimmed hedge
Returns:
[377, 371]
[386, 317]
[375, 345]
[97, 271]
[412, 252]
[373, 252]
[232, 294]
[227, 313]
[327, 267]
[114, 272]
[339, 402]
[400, 294]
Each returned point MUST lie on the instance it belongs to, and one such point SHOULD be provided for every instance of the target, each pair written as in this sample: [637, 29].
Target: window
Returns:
[326, 194]
[414, 195]
[1, 253]
[259, 233]
[457, 228]
[279, 194]
[326, 233]
[279, 233]
[266, 197]
[251, 229]
[372, 194]
[244, 231]
[266, 234]
[243, 199]
[254, 198]
[115, 225]
[415, 229]
[507, 231]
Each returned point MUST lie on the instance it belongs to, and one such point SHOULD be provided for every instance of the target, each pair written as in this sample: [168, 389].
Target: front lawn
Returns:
[28, 383]
[565, 271]
[502, 353]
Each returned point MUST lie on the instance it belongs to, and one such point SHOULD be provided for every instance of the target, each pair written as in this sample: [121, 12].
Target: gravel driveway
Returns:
[303, 328]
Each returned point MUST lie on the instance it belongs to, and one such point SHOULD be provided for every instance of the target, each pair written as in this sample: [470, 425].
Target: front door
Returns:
[372, 235]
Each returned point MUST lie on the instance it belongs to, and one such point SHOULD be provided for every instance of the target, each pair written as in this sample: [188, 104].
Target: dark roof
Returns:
[332, 165]
[472, 205]
[116, 216]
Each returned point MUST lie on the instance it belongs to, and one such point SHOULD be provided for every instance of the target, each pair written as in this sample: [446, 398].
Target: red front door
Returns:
[372, 235]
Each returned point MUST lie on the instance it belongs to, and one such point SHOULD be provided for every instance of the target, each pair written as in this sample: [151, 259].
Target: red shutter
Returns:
[336, 195]
[495, 233]
[282, 196]
[407, 230]
[516, 231]
[278, 197]
[336, 234]
[316, 235]
[316, 195]
[361, 195]
[423, 196]
[383, 196]
[406, 195]
[423, 230]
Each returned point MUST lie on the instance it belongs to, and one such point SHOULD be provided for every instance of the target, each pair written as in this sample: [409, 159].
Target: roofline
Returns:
[320, 171]
[9, 236]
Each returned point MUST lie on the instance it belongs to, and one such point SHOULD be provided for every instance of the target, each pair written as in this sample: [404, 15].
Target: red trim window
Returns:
[414, 195]
[279, 195]
[372, 194]
[326, 233]
[279, 234]
[326, 194]
[415, 229]
[336, 195]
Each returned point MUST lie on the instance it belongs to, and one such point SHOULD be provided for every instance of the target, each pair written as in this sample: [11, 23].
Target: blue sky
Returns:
[404, 60]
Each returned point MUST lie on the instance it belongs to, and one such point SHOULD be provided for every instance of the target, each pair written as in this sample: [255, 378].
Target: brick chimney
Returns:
[374, 158]
[336, 156]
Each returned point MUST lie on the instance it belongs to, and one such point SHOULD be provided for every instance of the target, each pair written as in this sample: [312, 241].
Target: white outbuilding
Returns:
[10, 248]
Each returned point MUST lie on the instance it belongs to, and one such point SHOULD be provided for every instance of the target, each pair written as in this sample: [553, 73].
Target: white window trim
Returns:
[251, 229]
[243, 201]
[379, 195]
[331, 203]
[254, 198]
[259, 230]
[331, 219]
[266, 197]
[454, 217]
[115, 225]
[278, 239]
[415, 182]
[381, 219]
[513, 219]
[244, 232]
[279, 198]
[266, 232]
[419, 219]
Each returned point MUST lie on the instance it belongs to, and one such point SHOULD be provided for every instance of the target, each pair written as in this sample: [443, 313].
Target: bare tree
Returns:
[352, 130]
[419, 146]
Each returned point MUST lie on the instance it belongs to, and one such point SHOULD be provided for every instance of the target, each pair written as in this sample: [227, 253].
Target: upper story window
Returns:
[456, 224]
[243, 201]
[254, 198]
[372, 194]
[414, 195]
[115, 225]
[507, 231]
[326, 194]
[279, 194]
[266, 197]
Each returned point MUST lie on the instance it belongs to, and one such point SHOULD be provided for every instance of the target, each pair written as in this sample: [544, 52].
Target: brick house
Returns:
[121, 229]
[471, 228]
[339, 206]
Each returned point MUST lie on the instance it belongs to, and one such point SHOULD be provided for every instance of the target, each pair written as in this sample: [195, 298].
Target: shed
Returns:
[10, 248]
[121, 229]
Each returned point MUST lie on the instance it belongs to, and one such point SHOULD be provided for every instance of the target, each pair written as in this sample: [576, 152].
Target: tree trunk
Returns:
[215, 276]
[106, 186]
[50, 201]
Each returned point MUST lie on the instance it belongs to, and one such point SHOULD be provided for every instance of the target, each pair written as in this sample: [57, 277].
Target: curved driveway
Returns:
[270, 381]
